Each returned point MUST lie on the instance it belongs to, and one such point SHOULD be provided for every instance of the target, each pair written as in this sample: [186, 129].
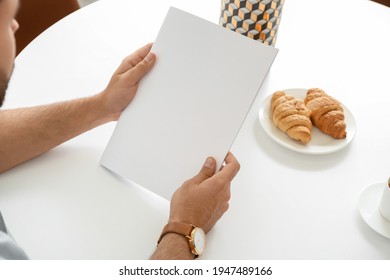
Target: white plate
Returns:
[368, 204]
[320, 143]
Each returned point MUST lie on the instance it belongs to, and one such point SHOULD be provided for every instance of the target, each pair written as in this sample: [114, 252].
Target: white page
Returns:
[190, 106]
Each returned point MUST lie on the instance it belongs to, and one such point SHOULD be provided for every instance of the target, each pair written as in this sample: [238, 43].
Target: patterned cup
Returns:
[257, 19]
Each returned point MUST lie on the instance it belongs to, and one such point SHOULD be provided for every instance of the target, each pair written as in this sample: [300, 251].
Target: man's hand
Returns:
[29, 132]
[203, 200]
[124, 82]
[200, 201]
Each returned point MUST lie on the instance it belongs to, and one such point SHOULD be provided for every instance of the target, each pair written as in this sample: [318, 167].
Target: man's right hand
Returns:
[203, 199]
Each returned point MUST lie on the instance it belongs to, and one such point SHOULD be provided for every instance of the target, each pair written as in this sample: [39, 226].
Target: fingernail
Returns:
[208, 163]
[149, 57]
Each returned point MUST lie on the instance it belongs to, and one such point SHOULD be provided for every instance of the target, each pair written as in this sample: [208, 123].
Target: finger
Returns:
[132, 60]
[207, 171]
[135, 74]
[231, 168]
[228, 192]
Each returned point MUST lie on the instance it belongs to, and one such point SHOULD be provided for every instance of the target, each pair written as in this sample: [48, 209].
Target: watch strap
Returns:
[177, 227]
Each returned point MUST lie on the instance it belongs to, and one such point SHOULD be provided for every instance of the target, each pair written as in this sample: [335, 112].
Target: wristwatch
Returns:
[195, 235]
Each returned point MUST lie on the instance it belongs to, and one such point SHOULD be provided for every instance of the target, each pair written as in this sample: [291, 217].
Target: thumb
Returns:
[207, 171]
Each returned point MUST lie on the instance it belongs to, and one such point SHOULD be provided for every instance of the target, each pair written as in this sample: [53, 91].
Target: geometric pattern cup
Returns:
[257, 19]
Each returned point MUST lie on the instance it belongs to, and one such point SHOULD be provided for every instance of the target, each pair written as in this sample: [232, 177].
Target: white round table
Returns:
[284, 205]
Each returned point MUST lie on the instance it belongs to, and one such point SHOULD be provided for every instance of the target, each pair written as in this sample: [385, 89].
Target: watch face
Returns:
[199, 240]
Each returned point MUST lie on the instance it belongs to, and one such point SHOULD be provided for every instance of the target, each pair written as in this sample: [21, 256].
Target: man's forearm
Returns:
[29, 132]
[173, 247]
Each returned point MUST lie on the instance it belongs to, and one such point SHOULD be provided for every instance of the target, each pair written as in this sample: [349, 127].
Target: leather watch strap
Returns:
[176, 227]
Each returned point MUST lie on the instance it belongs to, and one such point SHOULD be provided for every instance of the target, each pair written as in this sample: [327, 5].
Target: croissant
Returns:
[326, 113]
[291, 116]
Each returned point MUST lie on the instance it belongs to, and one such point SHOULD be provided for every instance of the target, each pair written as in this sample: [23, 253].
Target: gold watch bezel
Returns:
[191, 241]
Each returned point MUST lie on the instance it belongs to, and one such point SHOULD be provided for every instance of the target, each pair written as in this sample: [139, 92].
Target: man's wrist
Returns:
[195, 236]
[104, 113]
[173, 246]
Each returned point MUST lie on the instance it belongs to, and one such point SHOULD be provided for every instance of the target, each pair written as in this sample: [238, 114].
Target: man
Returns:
[28, 132]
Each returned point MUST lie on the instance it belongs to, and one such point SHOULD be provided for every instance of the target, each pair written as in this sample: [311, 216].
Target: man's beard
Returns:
[4, 81]
[3, 89]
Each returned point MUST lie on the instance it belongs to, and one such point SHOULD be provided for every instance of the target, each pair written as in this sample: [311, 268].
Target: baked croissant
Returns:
[291, 116]
[326, 113]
